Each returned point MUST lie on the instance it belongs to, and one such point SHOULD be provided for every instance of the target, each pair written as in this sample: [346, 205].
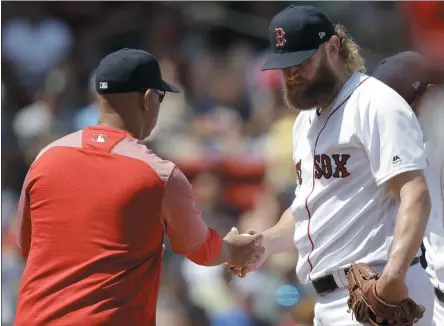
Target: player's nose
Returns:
[291, 72]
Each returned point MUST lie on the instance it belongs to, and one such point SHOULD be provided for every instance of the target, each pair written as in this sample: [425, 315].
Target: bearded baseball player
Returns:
[423, 89]
[361, 203]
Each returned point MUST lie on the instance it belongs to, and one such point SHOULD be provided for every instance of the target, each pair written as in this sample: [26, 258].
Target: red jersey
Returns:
[92, 214]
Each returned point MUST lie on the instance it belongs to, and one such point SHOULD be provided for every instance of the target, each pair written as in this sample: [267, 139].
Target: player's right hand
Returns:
[391, 289]
[247, 268]
[245, 250]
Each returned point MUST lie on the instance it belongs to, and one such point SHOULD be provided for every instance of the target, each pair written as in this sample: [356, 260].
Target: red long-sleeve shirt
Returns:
[92, 214]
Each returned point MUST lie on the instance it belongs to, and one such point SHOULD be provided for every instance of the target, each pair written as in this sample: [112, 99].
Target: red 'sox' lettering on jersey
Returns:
[334, 166]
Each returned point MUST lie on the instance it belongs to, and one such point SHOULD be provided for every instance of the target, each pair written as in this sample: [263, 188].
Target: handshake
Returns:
[247, 251]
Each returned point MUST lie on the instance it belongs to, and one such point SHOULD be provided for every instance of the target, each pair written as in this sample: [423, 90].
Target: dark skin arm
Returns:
[278, 238]
[239, 250]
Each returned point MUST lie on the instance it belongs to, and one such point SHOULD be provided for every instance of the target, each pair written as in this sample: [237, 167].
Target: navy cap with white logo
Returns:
[130, 70]
[296, 34]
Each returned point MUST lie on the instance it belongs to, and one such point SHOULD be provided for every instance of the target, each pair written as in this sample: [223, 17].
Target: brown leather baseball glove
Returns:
[368, 308]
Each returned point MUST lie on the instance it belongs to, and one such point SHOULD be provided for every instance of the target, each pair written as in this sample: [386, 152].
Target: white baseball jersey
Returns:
[343, 209]
[431, 117]
[434, 240]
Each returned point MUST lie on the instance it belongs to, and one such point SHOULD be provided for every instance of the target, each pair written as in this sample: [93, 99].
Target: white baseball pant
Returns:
[438, 313]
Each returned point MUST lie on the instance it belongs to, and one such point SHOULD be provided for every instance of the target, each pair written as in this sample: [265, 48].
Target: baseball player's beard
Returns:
[317, 93]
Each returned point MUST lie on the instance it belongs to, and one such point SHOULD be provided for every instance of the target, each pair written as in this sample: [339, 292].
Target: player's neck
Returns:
[341, 82]
[115, 121]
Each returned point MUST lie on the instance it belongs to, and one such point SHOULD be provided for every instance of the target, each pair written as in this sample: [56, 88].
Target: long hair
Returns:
[349, 51]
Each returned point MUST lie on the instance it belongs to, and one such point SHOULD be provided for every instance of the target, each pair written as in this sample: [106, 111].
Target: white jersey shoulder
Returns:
[343, 210]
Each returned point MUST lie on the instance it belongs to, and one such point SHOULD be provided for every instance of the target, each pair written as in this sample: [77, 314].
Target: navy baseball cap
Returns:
[296, 34]
[406, 73]
[130, 70]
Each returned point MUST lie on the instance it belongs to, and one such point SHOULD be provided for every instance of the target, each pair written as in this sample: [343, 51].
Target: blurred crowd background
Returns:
[228, 130]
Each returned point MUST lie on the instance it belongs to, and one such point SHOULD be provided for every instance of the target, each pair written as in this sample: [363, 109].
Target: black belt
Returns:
[327, 283]
[439, 295]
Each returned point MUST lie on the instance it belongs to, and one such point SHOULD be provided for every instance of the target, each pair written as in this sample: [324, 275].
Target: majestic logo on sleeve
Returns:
[396, 159]
[334, 166]
[280, 38]
[299, 171]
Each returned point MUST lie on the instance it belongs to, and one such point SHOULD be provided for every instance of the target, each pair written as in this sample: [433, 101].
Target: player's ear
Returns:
[333, 46]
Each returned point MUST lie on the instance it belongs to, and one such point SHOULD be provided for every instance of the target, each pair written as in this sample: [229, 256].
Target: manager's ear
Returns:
[150, 97]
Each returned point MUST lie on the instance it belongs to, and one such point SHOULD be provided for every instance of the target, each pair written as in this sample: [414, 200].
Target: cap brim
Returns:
[286, 60]
[166, 87]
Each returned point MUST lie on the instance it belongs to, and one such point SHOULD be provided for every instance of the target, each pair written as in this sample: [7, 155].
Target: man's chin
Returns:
[300, 107]
[305, 109]
[297, 105]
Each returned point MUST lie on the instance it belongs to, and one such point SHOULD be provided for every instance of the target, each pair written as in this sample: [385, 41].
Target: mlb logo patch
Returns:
[103, 85]
[99, 138]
